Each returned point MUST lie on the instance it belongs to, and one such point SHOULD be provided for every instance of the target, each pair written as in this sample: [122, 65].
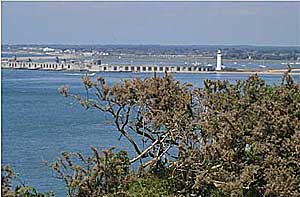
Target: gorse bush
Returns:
[149, 185]
[106, 175]
[92, 176]
[230, 138]
[7, 175]
[21, 190]
[224, 139]
[157, 111]
[249, 142]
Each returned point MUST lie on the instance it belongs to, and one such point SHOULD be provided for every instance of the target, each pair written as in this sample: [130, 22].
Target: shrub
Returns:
[155, 111]
[223, 139]
[226, 139]
[6, 181]
[7, 190]
[92, 176]
[149, 185]
[249, 142]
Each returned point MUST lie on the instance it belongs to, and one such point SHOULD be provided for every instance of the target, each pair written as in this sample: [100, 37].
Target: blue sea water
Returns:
[38, 123]
[11, 55]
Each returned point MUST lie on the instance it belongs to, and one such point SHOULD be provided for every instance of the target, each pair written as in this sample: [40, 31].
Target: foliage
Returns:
[155, 110]
[7, 190]
[149, 185]
[92, 176]
[6, 181]
[249, 142]
[223, 139]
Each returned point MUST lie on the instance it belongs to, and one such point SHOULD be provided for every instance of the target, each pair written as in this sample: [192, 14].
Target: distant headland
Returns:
[152, 58]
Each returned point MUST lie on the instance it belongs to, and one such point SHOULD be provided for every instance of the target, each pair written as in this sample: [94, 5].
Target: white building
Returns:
[47, 49]
[67, 51]
[219, 60]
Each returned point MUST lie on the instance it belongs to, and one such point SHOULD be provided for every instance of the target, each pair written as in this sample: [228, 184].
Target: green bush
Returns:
[92, 176]
[7, 190]
[150, 185]
[249, 142]
[225, 139]
[155, 112]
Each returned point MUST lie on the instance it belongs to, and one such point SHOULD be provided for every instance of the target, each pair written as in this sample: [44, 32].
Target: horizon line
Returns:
[135, 44]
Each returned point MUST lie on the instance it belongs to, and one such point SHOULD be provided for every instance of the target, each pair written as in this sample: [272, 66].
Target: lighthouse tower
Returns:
[219, 60]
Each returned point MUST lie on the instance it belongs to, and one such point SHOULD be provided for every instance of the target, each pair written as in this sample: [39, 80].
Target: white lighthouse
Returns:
[219, 60]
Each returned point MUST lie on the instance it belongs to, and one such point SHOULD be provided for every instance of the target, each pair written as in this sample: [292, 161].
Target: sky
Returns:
[165, 23]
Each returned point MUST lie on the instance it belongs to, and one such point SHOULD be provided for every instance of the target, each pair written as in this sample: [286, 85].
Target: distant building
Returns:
[219, 60]
[67, 51]
[47, 49]
[58, 51]
[103, 53]
[87, 54]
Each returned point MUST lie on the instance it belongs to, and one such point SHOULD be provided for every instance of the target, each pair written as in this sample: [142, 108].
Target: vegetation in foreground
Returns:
[240, 139]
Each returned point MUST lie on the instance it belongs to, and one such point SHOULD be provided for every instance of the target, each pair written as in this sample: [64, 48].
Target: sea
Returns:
[38, 123]
[12, 55]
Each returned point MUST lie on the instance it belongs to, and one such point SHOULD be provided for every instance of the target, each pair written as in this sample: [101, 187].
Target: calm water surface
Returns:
[38, 123]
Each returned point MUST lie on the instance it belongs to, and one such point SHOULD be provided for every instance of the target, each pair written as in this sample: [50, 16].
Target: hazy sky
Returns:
[204, 23]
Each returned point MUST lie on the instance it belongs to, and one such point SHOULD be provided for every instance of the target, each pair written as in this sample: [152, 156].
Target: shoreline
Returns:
[266, 72]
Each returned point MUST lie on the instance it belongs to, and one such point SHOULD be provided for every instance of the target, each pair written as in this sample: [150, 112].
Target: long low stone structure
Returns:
[104, 67]
[155, 68]
[41, 65]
